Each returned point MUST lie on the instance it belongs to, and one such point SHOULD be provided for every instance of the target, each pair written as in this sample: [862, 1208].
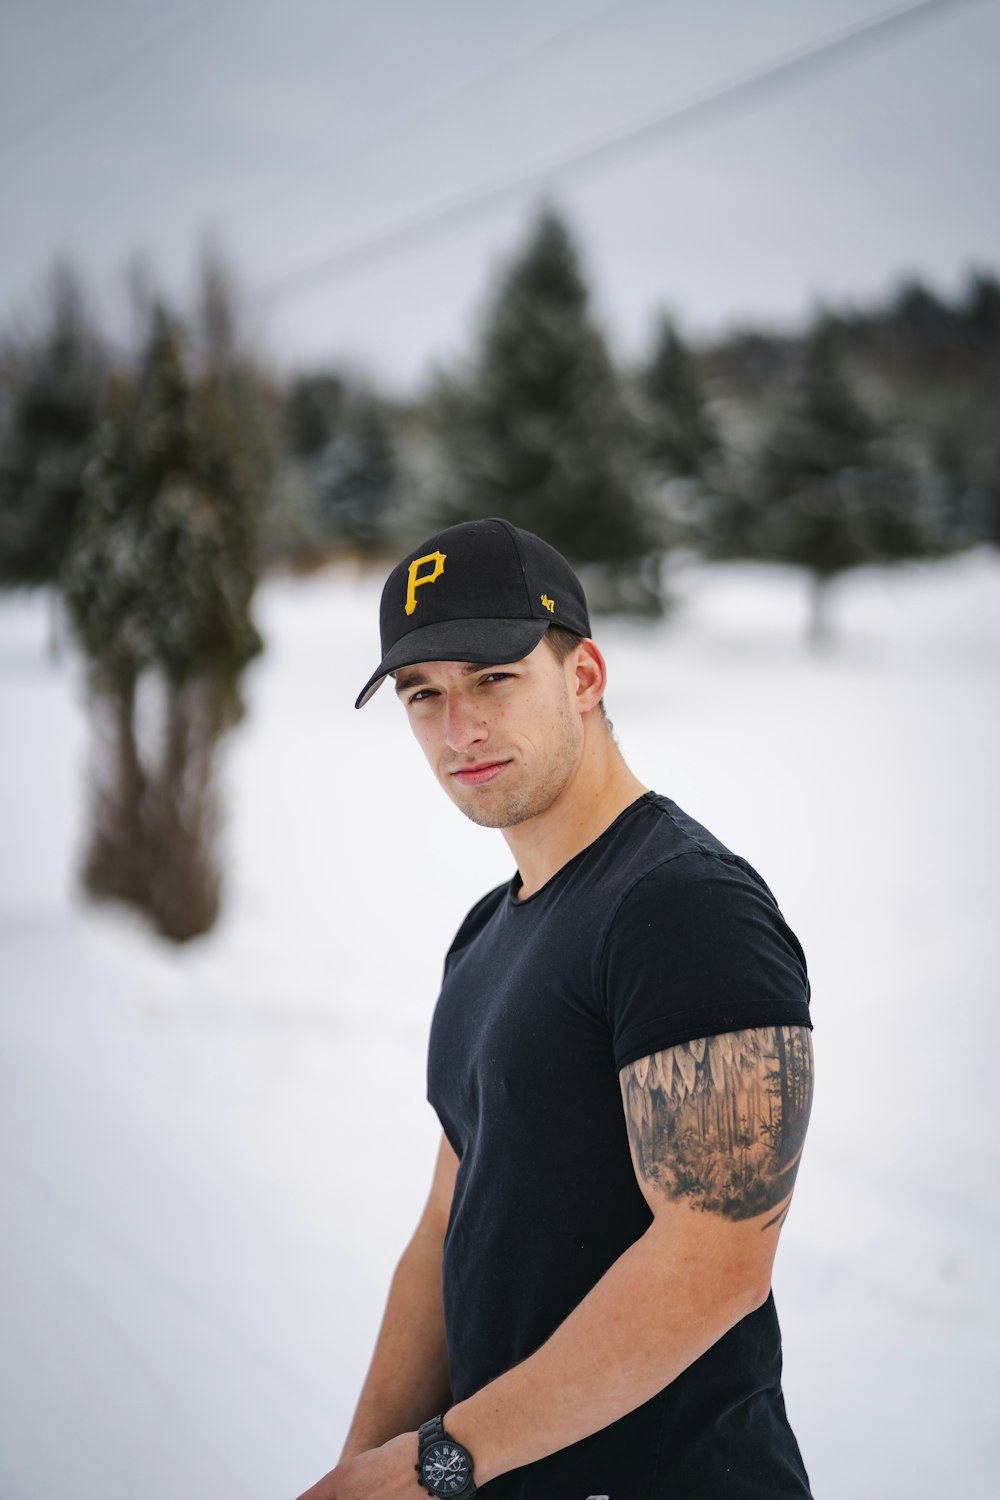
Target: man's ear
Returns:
[589, 674]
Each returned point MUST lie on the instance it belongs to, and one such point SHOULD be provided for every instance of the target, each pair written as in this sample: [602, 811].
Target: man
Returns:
[621, 1062]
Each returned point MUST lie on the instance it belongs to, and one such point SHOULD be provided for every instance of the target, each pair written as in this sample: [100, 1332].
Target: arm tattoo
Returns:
[720, 1122]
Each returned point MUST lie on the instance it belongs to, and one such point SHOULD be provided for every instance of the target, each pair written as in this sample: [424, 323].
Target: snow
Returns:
[211, 1158]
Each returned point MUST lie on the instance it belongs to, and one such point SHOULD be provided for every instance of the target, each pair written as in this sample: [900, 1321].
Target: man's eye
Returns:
[421, 695]
[497, 676]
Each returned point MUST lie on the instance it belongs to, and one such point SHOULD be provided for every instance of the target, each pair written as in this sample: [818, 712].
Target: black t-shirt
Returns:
[654, 934]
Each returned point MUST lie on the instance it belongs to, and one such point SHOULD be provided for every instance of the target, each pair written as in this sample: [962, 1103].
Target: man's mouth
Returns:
[479, 774]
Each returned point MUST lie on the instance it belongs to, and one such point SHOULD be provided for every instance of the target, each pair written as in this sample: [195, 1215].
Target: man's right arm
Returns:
[407, 1380]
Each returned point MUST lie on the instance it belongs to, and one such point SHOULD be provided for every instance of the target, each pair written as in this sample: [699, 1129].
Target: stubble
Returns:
[534, 789]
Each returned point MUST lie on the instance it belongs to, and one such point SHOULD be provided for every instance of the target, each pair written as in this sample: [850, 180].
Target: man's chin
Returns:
[478, 806]
[490, 808]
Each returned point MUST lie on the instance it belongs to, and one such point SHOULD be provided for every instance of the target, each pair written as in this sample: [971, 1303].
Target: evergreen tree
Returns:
[55, 389]
[159, 581]
[342, 444]
[921, 325]
[684, 459]
[833, 492]
[357, 474]
[981, 309]
[235, 397]
[541, 434]
[681, 438]
[967, 429]
[312, 412]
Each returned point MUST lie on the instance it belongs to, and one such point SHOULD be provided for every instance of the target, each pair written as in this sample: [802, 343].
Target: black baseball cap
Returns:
[480, 591]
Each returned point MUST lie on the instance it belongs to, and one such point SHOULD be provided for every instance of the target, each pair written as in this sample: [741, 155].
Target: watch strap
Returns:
[433, 1431]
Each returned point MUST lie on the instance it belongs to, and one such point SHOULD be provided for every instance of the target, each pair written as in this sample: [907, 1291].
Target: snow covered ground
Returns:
[210, 1159]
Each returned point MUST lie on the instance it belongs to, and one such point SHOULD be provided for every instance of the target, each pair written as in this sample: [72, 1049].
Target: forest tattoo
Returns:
[720, 1122]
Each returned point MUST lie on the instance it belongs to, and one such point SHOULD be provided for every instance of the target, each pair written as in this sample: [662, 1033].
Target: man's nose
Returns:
[464, 726]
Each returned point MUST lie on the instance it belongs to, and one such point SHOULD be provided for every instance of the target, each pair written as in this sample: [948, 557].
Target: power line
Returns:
[507, 68]
[36, 121]
[725, 99]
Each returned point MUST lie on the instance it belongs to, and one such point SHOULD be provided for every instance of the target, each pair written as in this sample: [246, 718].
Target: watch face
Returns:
[445, 1469]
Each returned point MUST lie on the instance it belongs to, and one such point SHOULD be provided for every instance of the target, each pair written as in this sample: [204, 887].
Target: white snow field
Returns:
[210, 1158]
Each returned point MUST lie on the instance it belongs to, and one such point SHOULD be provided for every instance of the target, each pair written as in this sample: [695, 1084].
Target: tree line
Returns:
[149, 486]
[867, 438]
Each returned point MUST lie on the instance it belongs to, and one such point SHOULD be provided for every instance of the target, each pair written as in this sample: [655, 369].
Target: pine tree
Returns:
[357, 476]
[968, 428]
[683, 454]
[981, 310]
[159, 581]
[541, 434]
[681, 439]
[56, 387]
[312, 411]
[833, 492]
[234, 395]
[342, 445]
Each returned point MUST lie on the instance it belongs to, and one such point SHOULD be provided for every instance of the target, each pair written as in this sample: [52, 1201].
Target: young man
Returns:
[621, 1062]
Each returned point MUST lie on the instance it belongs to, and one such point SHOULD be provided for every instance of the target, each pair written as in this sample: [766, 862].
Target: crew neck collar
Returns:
[514, 884]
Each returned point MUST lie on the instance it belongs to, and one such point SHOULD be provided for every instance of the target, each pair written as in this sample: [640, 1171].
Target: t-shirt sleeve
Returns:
[472, 922]
[697, 947]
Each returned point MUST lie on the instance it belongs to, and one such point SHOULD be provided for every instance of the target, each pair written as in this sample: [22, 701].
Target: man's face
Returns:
[503, 741]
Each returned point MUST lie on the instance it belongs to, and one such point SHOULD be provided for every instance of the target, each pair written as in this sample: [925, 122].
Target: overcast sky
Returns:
[293, 130]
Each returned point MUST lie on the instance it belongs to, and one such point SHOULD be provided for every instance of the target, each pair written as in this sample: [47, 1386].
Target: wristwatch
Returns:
[443, 1466]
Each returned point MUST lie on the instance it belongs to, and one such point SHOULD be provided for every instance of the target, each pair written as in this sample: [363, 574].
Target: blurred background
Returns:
[710, 298]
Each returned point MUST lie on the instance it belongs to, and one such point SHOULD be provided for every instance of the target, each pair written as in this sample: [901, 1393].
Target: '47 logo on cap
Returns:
[414, 578]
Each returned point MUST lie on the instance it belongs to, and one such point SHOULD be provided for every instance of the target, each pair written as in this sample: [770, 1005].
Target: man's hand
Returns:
[386, 1473]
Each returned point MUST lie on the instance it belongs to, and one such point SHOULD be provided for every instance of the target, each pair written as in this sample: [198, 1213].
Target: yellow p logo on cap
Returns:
[414, 578]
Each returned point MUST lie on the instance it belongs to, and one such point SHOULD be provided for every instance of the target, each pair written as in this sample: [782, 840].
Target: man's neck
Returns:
[601, 788]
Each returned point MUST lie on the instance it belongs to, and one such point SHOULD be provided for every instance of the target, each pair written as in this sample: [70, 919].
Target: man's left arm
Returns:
[716, 1128]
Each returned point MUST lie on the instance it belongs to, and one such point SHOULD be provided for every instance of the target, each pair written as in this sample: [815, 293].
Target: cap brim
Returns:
[486, 641]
